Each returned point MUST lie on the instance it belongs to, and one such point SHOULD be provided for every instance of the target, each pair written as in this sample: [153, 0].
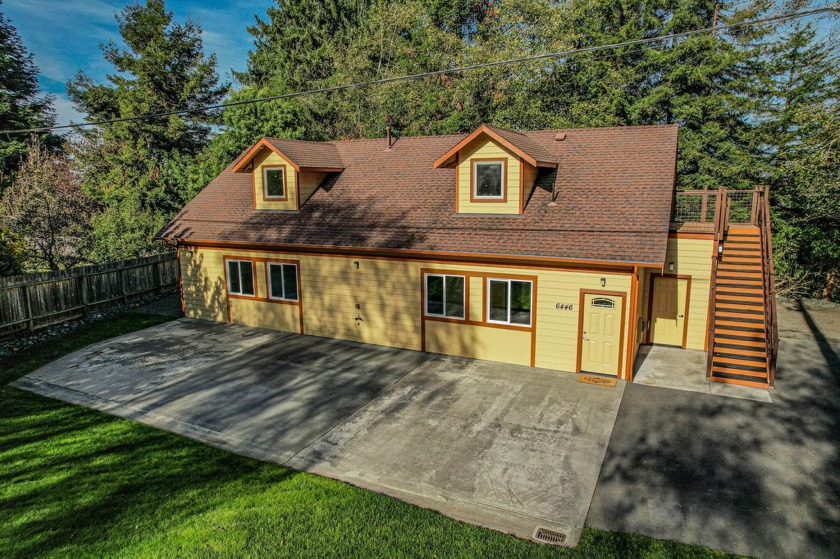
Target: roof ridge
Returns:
[319, 142]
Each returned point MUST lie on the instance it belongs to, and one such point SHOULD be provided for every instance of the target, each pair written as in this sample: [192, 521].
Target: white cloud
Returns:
[65, 111]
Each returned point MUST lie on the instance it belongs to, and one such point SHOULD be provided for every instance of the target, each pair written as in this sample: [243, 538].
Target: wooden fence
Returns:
[35, 301]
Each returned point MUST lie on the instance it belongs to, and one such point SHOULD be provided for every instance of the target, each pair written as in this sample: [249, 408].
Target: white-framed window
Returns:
[274, 182]
[509, 301]
[282, 281]
[240, 277]
[488, 179]
[445, 296]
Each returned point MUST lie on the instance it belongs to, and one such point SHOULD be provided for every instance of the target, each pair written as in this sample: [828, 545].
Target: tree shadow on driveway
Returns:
[748, 477]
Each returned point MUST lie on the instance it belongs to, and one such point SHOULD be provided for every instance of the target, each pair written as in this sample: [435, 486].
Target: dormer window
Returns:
[489, 180]
[274, 183]
[496, 170]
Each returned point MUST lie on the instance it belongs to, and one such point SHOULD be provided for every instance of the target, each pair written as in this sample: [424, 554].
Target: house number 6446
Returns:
[565, 307]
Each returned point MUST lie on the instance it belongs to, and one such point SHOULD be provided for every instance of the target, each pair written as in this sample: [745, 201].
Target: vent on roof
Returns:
[546, 535]
[560, 136]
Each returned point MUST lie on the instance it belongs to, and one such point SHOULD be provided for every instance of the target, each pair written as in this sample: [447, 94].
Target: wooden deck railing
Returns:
[723, 203]
[694, 210]
[762, 220]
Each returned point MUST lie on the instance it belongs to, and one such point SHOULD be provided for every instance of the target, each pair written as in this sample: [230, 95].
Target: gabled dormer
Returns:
[495, 170]
[285, 173]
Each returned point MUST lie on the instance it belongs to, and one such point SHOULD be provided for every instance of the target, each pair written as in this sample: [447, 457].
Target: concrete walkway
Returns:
[511, 448]
[685, 369]
[748, 477]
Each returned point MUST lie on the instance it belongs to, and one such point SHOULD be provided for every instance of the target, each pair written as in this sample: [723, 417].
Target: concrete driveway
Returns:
[511, 448]
[750, 477]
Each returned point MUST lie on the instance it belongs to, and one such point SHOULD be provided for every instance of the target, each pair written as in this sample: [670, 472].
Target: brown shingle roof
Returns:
[526, 144]
[614, 193]
[309, 154]
[301, 154]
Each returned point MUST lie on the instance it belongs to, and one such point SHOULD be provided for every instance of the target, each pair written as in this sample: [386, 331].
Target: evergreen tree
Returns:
[132, 169]
[798, 129]
[21, 104]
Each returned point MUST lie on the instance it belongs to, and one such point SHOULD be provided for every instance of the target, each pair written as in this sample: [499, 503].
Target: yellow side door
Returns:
[668, 311]
[601, 334]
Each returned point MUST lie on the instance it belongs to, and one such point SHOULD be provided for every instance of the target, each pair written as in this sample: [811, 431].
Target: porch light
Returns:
[603, 282]
[670, 266]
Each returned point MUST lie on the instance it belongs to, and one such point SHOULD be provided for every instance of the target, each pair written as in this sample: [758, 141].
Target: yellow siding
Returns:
[479, 342]
[309, 183]
[476, 299]
[693, 257]
[268, 157]
[389, 294]
[485, 148]
[204, 290]
[557, 329]
[262, 314]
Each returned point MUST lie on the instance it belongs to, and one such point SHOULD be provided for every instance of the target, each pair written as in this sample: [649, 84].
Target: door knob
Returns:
[585, 339]
[680, 316]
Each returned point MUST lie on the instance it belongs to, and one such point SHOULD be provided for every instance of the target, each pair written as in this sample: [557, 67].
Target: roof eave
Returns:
[445, 159]
[262, 144]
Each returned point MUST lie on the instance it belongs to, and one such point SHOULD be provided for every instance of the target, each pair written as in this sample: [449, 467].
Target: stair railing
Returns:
[769, 279]
[722, 206]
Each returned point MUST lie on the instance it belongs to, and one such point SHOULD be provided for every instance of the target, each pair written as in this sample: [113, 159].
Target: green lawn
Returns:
[79, 483]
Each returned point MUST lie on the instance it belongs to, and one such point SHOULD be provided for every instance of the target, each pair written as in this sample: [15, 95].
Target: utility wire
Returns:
[462, 69]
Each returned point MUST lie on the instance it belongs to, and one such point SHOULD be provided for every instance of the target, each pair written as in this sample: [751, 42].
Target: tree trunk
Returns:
[830, 280]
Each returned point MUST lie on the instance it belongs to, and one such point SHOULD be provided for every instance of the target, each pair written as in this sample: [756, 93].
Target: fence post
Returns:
[159, 276]
[28, 302]
[85, 290]
[123, 285]
[704, 208]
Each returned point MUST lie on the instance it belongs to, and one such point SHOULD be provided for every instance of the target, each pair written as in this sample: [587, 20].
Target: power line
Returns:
[459, 70]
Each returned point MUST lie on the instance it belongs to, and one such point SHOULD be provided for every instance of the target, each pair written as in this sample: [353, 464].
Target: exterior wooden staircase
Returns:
[740, 354]
[743, 333]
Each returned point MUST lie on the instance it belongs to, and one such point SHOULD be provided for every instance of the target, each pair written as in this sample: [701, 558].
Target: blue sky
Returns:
[64, 36]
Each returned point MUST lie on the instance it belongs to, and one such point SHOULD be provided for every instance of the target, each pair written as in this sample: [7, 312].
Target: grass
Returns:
[79, 483]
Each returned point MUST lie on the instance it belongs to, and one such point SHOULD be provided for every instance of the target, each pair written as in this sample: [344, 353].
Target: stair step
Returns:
[739, 349]
[749, 293]
[736, 369]
[739, 358]
[734, 379]
[739, 278]
[745, 251]
[733, 272]
[728, 257]
[731, 321]
[742, 240]
[747, 338]
[722, 309]
[740, 300]
[740, 266]
[748, 284]
[749, 331]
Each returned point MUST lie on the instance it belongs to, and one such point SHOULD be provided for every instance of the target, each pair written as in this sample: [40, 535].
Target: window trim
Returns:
[239, 268]
[268, 266]
[266, 197]
[509, 294]
[426, 312]
[474, 162]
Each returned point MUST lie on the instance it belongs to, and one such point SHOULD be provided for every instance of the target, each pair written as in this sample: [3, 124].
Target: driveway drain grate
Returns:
[549, 536]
